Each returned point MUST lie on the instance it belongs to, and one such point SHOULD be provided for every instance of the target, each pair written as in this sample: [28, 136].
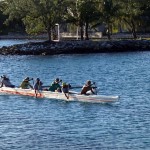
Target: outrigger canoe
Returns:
[73, 96]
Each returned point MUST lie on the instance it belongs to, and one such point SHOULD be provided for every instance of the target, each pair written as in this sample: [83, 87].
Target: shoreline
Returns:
[76, 47]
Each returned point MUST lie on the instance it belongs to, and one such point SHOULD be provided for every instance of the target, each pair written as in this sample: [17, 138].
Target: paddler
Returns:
[26, 84]
[55, 86]
[38, 87]
[87, 87]
[65, 89]
[5, 82]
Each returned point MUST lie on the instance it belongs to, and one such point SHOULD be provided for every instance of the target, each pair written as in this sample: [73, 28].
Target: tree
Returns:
[74, 15]
[145, 16]
[110, 12]
[89, 14]
[42, 15]
[2, 16]
[131, 12]
[37, 15]
[82, 13]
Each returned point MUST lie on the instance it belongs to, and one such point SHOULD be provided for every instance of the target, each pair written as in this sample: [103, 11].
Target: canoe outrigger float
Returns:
[73, 96]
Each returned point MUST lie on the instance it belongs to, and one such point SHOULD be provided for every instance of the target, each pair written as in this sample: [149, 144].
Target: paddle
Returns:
[80, 87]
[72, 87]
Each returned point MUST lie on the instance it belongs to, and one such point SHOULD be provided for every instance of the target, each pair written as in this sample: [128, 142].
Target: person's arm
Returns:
[30, 79]
[83, 90]
[92, 90]
[60, 81]
[30, 85]
[1, 84]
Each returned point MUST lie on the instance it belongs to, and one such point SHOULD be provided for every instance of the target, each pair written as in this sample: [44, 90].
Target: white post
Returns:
[58, 31]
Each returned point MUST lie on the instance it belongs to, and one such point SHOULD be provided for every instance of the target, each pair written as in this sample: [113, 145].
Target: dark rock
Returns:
[75, 47]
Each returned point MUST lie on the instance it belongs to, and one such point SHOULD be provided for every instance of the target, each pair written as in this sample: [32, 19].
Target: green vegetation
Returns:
[36, 16]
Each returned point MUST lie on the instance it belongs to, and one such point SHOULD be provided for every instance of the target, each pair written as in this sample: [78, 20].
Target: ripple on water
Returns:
[29, 123]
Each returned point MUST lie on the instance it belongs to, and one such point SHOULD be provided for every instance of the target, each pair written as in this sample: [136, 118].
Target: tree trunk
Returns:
[86, 31]
[81, 30]
[49, 31]
[133, 30]
[120, 28]
[132, 26]
[108, 32]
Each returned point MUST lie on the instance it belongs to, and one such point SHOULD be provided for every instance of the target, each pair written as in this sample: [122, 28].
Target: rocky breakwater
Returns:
[75, 47]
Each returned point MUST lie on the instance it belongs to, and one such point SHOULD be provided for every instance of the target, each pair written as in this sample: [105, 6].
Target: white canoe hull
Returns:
[60, 96]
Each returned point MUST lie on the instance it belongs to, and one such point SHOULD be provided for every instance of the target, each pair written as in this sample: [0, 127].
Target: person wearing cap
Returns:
[37, 87]
[26, 84]
[55, 86]
[87, 87]
[5, 82]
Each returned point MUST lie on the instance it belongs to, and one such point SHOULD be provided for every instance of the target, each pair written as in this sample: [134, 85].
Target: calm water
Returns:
[29, 124]
[12, 42]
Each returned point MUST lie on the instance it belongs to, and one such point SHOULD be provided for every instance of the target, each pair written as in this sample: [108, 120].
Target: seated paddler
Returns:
[87, 87]
[38, 87]
[55, 86]
[65, 89]
[5, 82]
[26, 83]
